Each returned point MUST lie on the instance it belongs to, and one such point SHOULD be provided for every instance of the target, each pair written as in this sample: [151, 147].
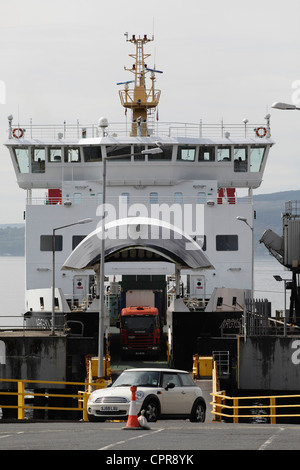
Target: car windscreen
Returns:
[138, 378]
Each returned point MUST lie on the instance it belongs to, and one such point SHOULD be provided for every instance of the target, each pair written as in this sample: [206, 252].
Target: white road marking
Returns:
[270, 440]
[140, 436]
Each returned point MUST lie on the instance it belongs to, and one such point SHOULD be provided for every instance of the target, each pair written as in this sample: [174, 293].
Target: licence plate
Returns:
[109, 408]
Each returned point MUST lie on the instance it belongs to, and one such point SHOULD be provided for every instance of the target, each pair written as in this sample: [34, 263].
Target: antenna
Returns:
[125, 83]
[153, 29]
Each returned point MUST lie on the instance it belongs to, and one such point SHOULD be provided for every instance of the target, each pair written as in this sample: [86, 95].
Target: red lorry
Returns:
[140, 331]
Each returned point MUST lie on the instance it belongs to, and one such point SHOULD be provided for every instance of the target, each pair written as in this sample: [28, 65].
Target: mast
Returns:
[140, 100]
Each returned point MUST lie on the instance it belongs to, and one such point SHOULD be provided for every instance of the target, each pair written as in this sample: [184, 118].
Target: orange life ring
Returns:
[18, 133]
[264, 132]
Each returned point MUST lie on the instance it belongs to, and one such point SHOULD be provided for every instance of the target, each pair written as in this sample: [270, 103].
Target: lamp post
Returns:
[83, 221]
[102, 253]
[279, 279]
[243, 219]
[284, 106]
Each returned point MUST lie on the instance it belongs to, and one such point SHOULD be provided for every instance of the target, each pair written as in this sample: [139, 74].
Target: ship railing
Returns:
[292, 209]
[257, 320]
[129, 200]
[78, 131]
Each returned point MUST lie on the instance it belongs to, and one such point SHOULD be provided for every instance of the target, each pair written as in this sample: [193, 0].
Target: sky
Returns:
[230, 60]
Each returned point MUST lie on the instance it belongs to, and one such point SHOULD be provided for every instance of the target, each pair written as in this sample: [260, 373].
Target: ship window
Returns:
[224, 154]
[100, 198]
[186, 153]
[166, 153]
[46, 243]
[92, 153]
[226, 242]
[207, 154]
[153, 198]
[22, 158]
[256, 158]
[137, 149]
[76, 239]
[124, 198]
[201, 197]
[55, 154]
[240, 159]
[114, 151]
[178, 198]
[72, 155]
[77, 198]
[38, 157]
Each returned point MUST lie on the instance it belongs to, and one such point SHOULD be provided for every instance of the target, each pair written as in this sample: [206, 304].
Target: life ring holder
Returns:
[18, 133]
[261, 132]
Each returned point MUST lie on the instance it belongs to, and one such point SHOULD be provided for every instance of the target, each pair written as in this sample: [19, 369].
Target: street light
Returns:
[83, 221]
[285, 106]
[243, 219]
[102, 254]
[279, 279]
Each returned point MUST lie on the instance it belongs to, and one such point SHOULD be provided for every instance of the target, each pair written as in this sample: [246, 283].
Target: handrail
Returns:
[233, 411]
[169, 129]
[82, 395]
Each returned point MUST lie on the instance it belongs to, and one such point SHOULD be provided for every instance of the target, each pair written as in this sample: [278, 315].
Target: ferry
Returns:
[140, 212]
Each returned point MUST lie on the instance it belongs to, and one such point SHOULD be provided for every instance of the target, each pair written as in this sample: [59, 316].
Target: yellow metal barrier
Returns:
[235, 411]
[82, 396]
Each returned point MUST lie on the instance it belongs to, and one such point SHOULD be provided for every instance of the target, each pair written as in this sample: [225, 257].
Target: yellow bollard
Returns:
[85, 401]
[21, 400]
[235, 410]
[273, 409]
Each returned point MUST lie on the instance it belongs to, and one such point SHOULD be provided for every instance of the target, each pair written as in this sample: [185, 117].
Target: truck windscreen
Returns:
[139, 323]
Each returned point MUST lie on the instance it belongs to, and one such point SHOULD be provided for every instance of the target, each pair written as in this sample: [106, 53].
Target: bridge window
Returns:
[207, 154]
[186, 153]
[137, 149]
[38, 157]
[92, 153]
[55, 154]
[22, 159]
[72, 155]
[240, 159]
[226, 242]
[166, 153]
[224, 154]
[46, 243]
[256, 158]
[117, 150]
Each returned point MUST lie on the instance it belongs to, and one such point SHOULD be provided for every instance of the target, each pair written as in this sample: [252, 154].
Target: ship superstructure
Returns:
[199, 169]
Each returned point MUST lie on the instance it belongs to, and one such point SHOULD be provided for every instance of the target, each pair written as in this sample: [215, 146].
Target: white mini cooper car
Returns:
[162, 393]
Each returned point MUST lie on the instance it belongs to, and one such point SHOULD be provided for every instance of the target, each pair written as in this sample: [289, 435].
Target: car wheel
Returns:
[198, 413]
[151, 408]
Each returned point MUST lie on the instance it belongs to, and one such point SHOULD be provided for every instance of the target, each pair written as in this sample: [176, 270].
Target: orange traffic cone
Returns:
[132, 422]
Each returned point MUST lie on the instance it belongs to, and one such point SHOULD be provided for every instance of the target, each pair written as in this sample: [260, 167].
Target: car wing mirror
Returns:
[169, 385]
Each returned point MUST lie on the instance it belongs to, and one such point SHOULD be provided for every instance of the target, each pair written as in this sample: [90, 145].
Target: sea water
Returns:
[12, 286]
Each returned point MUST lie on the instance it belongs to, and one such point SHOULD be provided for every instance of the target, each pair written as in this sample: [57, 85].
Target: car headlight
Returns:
[92, 397]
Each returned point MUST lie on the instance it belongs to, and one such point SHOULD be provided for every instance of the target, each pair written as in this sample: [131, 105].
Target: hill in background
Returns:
[268, 207]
